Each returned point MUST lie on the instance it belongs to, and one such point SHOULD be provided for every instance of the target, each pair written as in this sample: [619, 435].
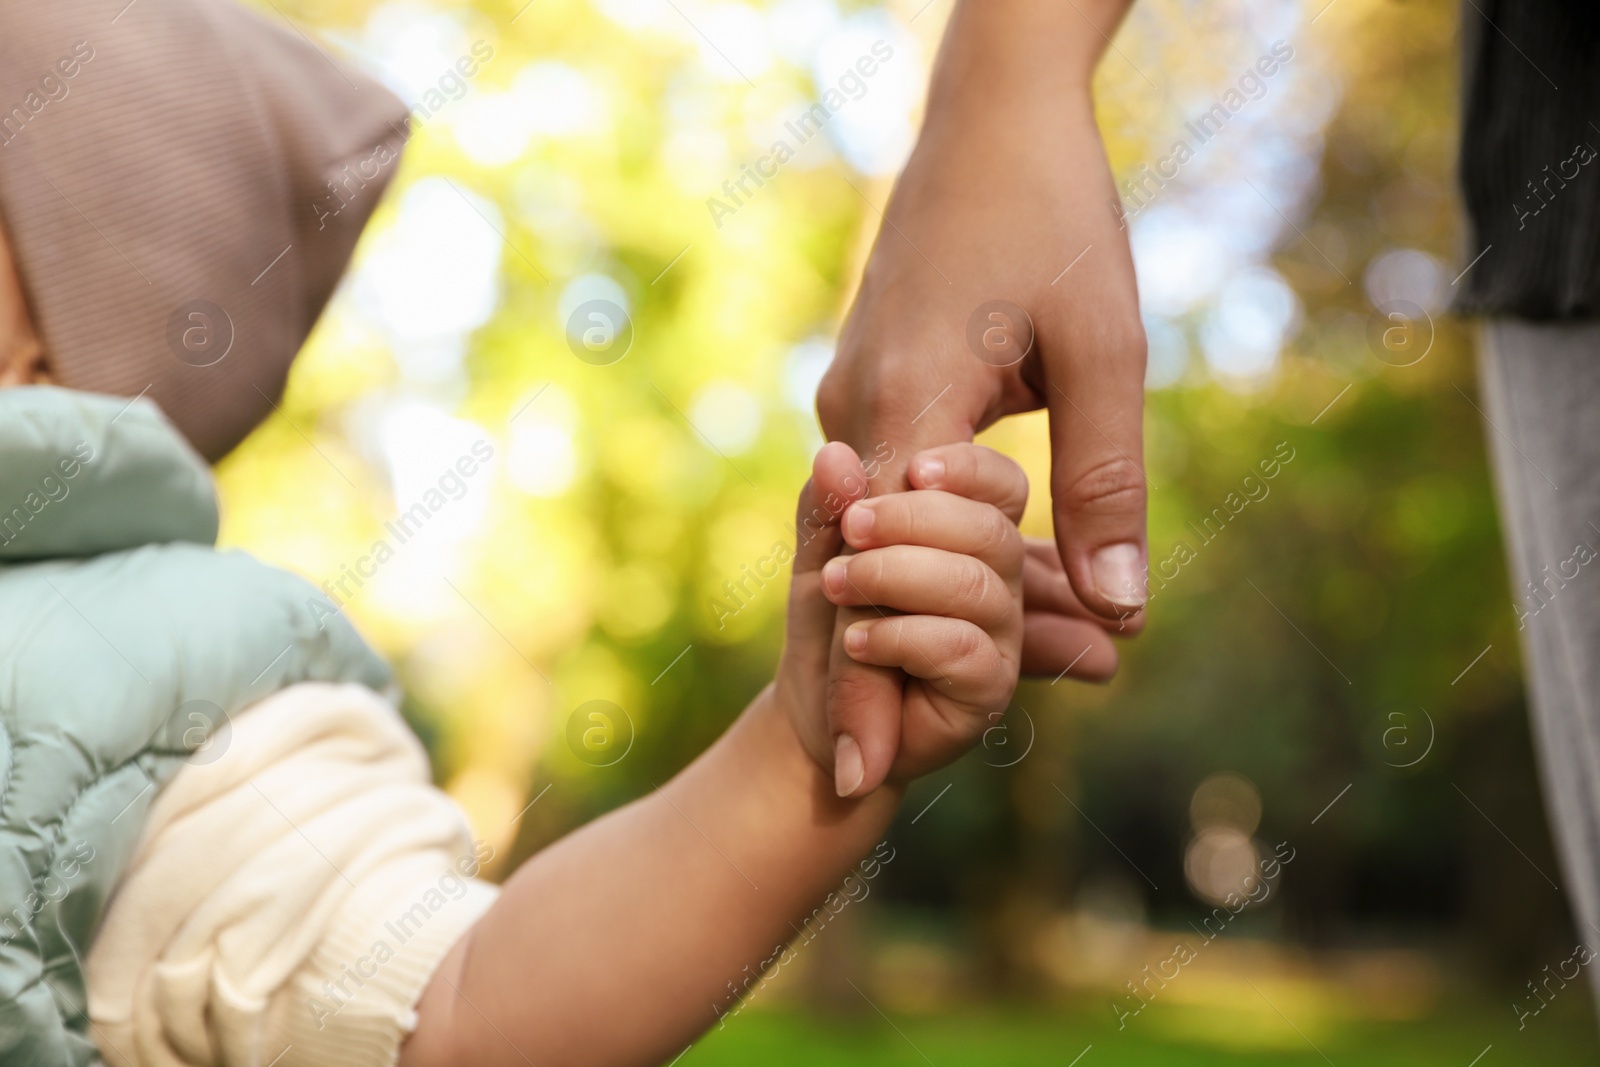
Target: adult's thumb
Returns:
[1097, 476]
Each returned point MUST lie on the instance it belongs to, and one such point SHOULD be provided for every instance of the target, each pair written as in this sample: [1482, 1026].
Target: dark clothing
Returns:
[1530, 158]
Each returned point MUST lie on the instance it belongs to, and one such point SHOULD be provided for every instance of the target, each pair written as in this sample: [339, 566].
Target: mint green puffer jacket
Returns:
[126, 643]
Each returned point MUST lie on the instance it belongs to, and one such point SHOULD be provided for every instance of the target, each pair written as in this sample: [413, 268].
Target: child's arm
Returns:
[616, 944]
[620, 943]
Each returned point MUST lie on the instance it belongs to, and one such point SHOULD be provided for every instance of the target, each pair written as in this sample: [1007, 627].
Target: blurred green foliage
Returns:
[1344, 605]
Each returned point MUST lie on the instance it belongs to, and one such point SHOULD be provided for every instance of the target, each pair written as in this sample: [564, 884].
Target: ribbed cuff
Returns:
[354, 1001]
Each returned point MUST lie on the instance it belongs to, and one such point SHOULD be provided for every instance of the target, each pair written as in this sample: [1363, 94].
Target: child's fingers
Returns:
[863, 705]
[974, 472]
[921, 581]
[863, 731]
[837, 478]
[936, 519]
[964, 661]
[812, 619]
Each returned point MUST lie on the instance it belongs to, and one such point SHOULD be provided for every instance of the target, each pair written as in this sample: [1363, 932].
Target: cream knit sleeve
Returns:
[290, 896]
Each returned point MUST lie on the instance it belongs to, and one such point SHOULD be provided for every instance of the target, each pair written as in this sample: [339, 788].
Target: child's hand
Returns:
[943, 569]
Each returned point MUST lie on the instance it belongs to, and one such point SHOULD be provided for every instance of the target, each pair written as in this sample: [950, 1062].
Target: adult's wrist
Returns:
[1018, 99]
[1021, 53]
[1044, 121]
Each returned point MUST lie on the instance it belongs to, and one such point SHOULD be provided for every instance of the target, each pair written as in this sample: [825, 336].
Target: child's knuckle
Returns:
[909, 527]
[972, 585]
[967, 646]
[996, 534]
[876, 570]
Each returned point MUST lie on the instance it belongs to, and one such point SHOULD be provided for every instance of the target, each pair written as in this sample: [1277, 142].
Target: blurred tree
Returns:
[618, 546]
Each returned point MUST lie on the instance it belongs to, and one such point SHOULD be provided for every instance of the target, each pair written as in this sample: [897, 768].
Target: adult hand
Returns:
[1007, 197]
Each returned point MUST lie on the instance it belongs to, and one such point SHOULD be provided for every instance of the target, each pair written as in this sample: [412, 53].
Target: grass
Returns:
[1178, 1034]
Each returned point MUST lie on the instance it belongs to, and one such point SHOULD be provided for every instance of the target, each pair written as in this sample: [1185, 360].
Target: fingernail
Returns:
[848, 769]
[929, 470]
[855, 637]
[833, 576]
[1119, 574]
[858, 521]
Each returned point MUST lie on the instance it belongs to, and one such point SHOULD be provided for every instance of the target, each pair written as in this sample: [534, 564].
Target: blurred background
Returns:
[1327, 700]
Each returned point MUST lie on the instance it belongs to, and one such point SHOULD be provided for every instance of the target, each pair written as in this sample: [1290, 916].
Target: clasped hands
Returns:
[984, 211]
